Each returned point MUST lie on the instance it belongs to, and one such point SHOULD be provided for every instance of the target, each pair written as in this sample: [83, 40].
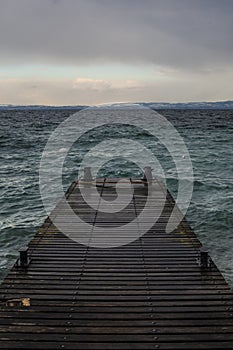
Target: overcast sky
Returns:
[62, 52]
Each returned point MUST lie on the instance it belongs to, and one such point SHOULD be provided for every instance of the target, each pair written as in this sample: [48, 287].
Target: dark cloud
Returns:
[179, 33]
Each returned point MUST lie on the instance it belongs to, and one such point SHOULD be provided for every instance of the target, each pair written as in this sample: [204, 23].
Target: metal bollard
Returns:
[23, 257]
[87, 174]
[147, 174]
[204, 258]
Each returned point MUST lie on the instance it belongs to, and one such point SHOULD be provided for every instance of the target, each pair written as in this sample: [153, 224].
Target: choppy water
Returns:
[208, 136]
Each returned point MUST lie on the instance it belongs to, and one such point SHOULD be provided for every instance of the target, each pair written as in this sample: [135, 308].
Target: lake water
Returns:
[208, 136]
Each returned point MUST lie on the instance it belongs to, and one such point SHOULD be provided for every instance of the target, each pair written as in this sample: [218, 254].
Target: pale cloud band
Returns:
[91, 92]
[103, 85]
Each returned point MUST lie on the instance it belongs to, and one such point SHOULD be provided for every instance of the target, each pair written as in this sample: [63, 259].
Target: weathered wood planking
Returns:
[151, 293]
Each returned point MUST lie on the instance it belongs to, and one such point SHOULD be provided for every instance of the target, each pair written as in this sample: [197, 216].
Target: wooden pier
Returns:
[159, 292]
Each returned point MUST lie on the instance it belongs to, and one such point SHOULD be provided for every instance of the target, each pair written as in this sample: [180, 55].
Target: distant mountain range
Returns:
[39, 107]
[153, 105]
[191, 105]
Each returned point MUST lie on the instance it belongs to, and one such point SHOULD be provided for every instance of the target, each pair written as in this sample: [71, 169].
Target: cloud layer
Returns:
[189, 44]
[181, 33]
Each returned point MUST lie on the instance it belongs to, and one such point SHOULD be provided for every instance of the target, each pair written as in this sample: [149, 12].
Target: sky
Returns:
[88, 52]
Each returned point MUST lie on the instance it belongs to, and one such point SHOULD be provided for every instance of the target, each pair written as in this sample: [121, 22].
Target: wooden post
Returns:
[23, 257]
[87, 174]
[147, 175]
[204, 257]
